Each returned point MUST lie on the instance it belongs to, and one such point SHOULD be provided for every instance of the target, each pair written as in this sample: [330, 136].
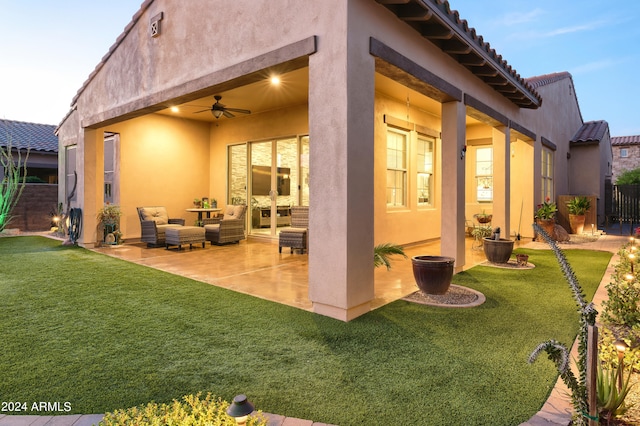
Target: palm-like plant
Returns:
[382, 254]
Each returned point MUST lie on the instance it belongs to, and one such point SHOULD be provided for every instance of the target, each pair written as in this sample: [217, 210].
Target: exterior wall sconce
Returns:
[463, 151]
[240, 409]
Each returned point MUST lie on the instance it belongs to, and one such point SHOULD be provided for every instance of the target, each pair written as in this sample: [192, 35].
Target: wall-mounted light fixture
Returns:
[463, 151]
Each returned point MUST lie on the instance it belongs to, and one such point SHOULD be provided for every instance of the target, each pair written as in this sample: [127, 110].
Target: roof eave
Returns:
[436, 22]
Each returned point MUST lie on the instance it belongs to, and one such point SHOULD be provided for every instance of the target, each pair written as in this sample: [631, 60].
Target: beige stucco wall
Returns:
[412, 223]
[557, 120]
[165, 161]
[590, 180]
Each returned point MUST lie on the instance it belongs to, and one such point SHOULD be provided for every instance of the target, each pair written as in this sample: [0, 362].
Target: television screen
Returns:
[261, 180]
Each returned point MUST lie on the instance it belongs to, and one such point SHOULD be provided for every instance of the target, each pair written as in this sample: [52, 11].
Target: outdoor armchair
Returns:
[228, 228]
[154, 222]
[297, 236]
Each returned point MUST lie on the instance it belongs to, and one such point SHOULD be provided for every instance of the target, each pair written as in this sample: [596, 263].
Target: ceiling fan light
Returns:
[217, 113]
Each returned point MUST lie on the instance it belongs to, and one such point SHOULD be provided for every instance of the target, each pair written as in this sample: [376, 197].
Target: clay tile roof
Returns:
[437, 22]
[22, 135]
[591, 132]
[543, 80]
[625, 140]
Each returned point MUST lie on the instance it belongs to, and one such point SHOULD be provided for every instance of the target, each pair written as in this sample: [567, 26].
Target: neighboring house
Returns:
[39, 197]
[394, 121]
[41, 142]
[626, 154]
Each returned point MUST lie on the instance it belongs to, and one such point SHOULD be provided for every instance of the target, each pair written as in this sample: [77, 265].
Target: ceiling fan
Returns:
[218, 109]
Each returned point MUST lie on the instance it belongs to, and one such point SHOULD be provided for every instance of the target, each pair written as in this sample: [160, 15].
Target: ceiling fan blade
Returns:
[197, 112]
[227, 114]
[243, 111]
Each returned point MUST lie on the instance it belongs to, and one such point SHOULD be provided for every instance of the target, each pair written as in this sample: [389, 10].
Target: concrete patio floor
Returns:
[255, 267]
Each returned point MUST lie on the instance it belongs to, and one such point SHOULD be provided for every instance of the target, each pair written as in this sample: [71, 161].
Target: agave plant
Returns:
[382, 254]
[610, 396]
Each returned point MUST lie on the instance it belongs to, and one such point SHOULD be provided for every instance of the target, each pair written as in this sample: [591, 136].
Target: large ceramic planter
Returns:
[498, 251]
[548, 225]
[433, 273]
[576, 221]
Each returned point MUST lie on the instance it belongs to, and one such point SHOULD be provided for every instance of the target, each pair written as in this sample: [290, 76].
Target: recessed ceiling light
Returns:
[275, 80]
[175, 109]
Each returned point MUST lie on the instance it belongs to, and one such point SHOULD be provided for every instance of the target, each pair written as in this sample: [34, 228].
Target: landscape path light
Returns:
[240, 409]
[621, 347]
[631, 257]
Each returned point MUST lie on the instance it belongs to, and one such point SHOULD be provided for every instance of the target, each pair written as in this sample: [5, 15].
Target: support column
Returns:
[502, 180]
[87, 192]
[452, 228]
[341, 102]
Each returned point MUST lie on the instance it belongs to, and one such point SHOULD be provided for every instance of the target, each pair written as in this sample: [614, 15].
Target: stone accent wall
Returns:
[621, 164]
[33, 211]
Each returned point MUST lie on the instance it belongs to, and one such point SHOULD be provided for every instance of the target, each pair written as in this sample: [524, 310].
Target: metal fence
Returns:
[622, 203]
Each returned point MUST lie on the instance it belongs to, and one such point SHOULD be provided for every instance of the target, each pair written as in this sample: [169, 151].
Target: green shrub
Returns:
[622, 305]
[629, 177]
[607, 352]
[193, 411]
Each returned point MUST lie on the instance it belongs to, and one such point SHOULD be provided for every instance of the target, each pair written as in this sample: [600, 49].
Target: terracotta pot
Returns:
[484, 218]
[433, 273]
[498, 251]
[522, 259]
[548, 225]
[576, 221]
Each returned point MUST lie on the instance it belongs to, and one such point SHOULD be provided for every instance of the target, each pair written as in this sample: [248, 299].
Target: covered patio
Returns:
[255, 267]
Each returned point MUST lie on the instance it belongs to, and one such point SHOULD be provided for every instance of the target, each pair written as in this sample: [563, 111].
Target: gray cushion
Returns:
[158, 214]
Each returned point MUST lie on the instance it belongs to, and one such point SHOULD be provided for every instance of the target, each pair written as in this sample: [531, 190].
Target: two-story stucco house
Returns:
[626, 154]
[393, 120]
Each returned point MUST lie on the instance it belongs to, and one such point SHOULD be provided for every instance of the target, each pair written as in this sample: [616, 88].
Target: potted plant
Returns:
[109, 214]
[481, 232]
[578, 207]
[496, 249]
[382, 254]
[545, 216]
[197, 203]
[109, 218]
[483, 217]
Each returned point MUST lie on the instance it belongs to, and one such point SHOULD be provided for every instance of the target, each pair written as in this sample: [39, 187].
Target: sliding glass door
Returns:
[275, 176]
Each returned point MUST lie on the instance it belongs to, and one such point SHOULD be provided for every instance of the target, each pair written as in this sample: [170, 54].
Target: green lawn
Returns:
[103, 334]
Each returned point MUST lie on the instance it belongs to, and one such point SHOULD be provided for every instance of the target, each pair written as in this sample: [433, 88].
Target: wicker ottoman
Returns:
[184, 235]
[296, 238]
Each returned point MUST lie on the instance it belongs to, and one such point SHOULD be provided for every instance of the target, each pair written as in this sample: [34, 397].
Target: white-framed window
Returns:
[624, 152]
[547, 175]
[396, 168]
[424, 154]
[484, 173]
[70, 170]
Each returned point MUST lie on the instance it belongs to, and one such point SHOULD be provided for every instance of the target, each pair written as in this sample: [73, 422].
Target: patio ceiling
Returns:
[293, 90]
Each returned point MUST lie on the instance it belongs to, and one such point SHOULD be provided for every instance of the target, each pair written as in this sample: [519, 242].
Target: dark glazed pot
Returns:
[498, 251]
[433, 273]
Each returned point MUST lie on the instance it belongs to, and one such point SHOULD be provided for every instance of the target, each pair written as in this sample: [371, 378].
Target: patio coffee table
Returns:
[184, 235]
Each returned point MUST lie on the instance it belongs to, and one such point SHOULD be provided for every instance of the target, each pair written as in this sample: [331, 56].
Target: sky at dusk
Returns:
[49, 48]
